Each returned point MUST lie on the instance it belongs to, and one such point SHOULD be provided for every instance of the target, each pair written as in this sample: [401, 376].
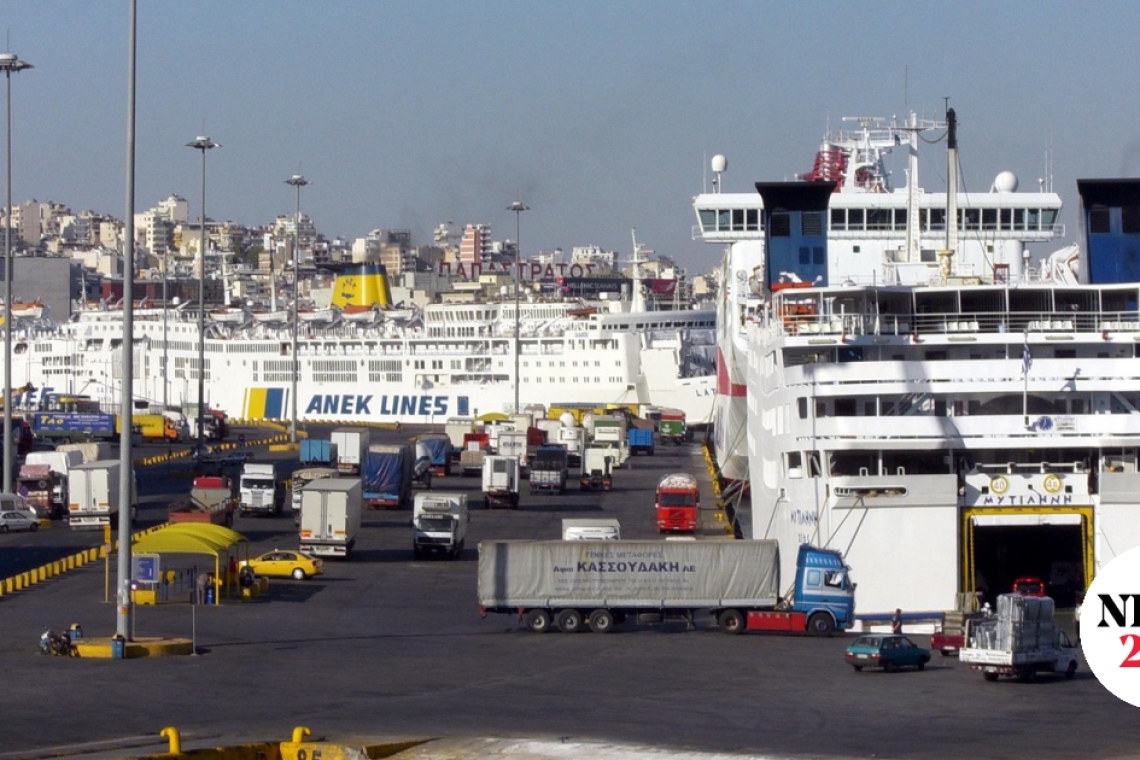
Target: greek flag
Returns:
[1026, 359]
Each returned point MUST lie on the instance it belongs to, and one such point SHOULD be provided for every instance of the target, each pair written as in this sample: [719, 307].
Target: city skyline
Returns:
[600, 118]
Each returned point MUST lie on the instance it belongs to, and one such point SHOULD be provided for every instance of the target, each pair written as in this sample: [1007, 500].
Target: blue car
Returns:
[886, 651]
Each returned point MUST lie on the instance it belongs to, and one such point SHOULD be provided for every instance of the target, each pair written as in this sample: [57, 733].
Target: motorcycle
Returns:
[58, 644]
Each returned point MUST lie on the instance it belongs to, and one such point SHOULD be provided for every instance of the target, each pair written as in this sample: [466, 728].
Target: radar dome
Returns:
[567, 419]
[719, 163]
[1006, 182]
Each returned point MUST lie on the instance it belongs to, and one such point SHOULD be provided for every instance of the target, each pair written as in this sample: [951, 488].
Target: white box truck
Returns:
[512, 443]
[574, 439]
[591, 529]
[60, 463]
[351, 448]
[93, 495]
[260, 491]
[330, 516]
[501, 481]
[439, 523]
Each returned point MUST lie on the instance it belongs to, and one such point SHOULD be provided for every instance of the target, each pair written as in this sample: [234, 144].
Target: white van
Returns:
[591, 529]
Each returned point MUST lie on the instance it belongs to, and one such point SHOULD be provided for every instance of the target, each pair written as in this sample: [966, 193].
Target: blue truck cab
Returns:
[823, 584]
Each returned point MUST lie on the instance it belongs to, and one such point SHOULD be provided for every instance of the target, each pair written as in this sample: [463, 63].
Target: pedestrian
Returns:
[896, 621]
[200, 588]
[987, 610]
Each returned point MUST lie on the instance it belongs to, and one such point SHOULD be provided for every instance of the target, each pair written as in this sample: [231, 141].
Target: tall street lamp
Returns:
[9, 63]
[298, 182]
[203, 144]
[518, 207]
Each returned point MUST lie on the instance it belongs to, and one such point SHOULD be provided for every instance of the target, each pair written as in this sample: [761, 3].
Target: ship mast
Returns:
[637, 297]
[951, 181]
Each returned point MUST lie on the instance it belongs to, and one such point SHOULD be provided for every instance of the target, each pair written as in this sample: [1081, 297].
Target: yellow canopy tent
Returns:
[492, 417]
[192, 538]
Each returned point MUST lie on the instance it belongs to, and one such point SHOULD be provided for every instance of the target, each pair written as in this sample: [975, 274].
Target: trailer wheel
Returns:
[990, 676]
[569, 621]
[601, 621]
[820, 624]
[1071, 671]
[731, 621]
[538, 621]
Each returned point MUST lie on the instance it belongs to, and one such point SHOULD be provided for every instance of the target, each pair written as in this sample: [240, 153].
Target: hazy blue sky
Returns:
[599, 115]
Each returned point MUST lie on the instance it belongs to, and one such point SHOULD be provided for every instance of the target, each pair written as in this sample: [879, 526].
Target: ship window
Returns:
[973, 218]
[1033, 218]
[844, 407]
[812, 223]
[937, 219]
[855, 219]
[1130, 220]
[1049, 218]
[900, 218]
[738, 219]
[803, 409]
[752, 220]
[722, 220]
[878, 218]
[708, 219]
[989, 219]
[838, 219]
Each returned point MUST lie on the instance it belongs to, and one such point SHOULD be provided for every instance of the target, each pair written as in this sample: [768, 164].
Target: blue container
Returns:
[210, 595]
[118, 648]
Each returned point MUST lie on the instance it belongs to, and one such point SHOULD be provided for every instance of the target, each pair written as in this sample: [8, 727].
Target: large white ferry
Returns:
[360, 364]
[868, 240]
[949, 416]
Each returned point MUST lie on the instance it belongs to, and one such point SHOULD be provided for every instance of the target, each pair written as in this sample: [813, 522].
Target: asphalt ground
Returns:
[382, 645]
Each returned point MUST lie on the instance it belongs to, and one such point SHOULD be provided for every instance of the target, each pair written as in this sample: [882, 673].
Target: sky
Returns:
[600, 116]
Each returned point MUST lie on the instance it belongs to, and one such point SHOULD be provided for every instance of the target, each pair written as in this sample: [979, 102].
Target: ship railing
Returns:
[958, 323]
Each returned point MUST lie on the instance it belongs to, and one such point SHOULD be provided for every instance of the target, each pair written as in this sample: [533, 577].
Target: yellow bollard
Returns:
[171, 733]
[299, 734]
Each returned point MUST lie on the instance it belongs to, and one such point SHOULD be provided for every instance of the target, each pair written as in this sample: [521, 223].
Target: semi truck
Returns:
[673, 426]
[387, 476]
[594, 584]
[302, 478]
[641, 440]
[38, 484]
[330, 517]
[501, 481]
[597, 469]
[678, 503]
[260, 491]
[439, 523]
[156, 427]
[317, 452]
[93, 495]
[455, 429]
[574, 439]
[351, 448]
[439, 448]
[548, 470]
[66, 427]
[513, 443]
[211, 501]
[476, 446]
[1021, 640]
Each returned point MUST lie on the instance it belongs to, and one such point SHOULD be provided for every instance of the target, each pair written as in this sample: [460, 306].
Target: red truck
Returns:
[211, 501]
[678, 501]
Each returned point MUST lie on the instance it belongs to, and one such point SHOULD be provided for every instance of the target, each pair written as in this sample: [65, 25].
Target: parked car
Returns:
[886, 651]
[285, 564]
[1029, 586]
[17, 520]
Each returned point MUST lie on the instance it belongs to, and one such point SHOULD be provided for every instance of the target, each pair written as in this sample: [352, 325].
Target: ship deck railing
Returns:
[854, 325]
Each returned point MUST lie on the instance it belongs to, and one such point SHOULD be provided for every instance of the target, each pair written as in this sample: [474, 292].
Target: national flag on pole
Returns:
[1026, 359]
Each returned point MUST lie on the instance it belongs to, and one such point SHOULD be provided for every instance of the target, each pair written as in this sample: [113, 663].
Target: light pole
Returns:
[518, 207]
[203, 144]
[9, 63]
[298, 182]
[165, 306]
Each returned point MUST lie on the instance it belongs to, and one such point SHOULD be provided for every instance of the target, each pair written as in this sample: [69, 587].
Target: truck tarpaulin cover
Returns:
[439, 446]
[628, 573]
[384, 473]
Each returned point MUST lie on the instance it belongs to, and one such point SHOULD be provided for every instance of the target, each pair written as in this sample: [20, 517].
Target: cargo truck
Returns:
[578, 584]
[351, 448]
[501, 481]
[302, 478]
[574, 439]
[439, 523]
[211, 501]
[455, 429]
[641, 441]
[439, 448]
[66, 427]
[673, 426]
[476, 446]
[387, 476]
[513, 443]
[260, 491]
[37, 483]
[156, 427]
[421, 465]
[548, 470]
[678, 503]
[1021, 640]
[317, 451]
[93, 495]
[597, 469]
[330, 517]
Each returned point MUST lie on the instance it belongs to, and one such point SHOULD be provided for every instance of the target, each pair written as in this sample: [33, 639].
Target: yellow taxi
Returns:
[282, 563]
